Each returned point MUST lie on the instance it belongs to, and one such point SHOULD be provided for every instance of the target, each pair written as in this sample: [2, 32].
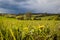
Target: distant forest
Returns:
[32, 16]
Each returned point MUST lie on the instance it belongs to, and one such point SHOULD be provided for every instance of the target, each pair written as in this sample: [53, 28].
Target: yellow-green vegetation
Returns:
[13, 29]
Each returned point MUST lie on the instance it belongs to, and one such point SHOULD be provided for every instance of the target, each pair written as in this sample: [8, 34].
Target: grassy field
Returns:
[13, 29]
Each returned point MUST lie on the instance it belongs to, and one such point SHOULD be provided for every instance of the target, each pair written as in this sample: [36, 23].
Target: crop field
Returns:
[13, 29]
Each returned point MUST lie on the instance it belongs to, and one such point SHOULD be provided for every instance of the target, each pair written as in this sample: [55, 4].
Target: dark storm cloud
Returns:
[16, 6]
[20, 0]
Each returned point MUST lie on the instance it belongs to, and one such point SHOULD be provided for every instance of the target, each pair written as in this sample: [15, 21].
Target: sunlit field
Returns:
[13, 29]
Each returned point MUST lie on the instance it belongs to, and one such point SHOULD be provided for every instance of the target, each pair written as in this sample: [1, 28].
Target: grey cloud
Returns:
[3, 10]
[43, 5]
[52, 6]
[20, 0]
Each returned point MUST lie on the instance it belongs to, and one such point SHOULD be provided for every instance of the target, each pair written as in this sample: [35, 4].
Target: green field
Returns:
[13, 29]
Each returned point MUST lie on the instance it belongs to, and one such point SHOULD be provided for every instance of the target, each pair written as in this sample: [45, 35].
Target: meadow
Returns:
[13, 29]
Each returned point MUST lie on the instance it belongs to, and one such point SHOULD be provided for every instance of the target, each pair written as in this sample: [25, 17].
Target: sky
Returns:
[35, 6]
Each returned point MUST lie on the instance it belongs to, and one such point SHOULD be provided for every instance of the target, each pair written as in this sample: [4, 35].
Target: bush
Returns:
[57, 18]
[20, 18]
[35, 18]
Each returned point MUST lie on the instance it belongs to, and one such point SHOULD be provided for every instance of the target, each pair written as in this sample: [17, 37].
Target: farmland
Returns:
[44, 29]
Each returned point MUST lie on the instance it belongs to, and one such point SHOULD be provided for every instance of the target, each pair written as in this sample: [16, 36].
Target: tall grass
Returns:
[12, 29]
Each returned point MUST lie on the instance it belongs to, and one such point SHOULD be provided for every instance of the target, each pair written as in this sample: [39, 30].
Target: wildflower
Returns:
[32, 30]
[41, 26]
[25, 29]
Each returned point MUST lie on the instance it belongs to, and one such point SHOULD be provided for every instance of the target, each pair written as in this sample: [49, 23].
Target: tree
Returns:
[28, 15]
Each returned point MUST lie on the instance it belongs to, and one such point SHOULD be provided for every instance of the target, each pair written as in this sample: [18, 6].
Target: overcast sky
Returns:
[36, 6]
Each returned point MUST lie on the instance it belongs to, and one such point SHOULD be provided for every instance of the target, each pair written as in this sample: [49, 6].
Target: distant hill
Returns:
[31, 13]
